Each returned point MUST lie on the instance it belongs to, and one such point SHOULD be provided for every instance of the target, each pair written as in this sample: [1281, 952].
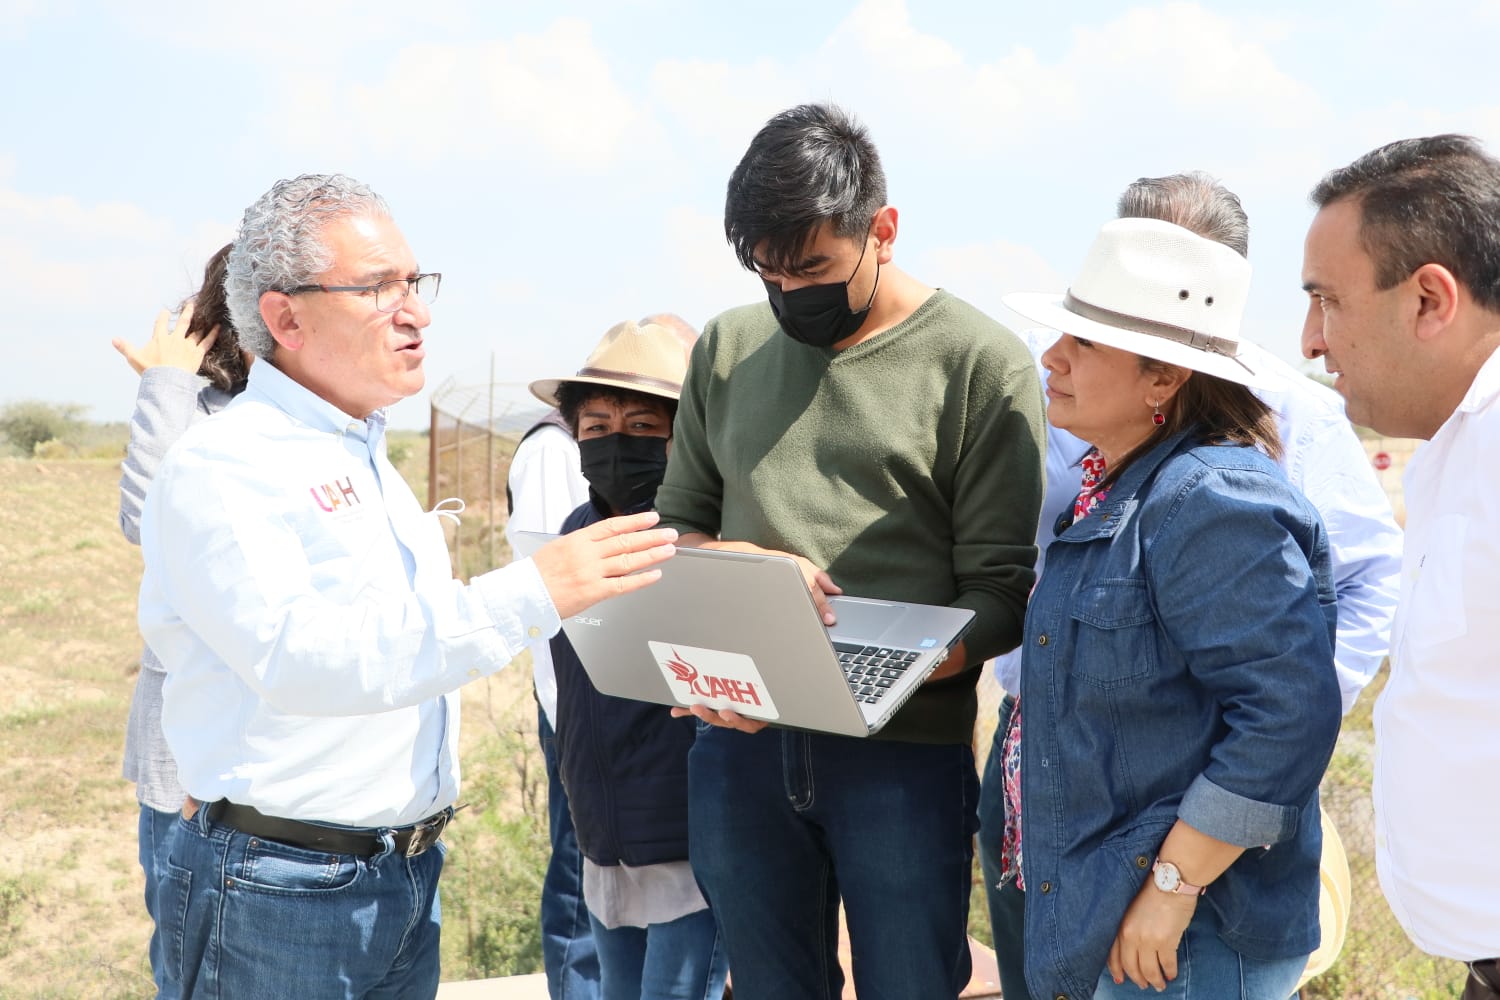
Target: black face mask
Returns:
[819, 315]
[624, 470]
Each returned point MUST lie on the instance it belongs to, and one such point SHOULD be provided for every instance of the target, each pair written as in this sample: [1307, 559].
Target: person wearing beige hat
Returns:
[624, 762]
[1161, 766]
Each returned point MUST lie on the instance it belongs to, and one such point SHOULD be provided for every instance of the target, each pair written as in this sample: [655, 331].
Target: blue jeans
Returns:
[255, 919]
[1208, 969]
[153, 837]
[1008, 905]
[567, 941]
[782, 824]
[681, 960]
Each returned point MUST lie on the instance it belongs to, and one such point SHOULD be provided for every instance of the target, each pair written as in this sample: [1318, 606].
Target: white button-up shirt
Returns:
[1323, 458]
[305, 609]
[1437, 724]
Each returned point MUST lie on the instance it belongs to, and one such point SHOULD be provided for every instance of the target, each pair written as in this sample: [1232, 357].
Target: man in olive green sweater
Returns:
[889, 437]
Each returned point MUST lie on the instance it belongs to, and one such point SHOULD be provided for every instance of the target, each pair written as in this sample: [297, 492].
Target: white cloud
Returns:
[85, 272]
[59, 215]
[878, 50]
[16, 15]
[719, 103]
[1186, 55]
[289, 32]
[548, 97]
[981, 273]
[706, 278]
[1147, 63]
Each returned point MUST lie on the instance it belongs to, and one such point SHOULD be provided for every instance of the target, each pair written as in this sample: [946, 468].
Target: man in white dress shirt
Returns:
[1402, 266]
[312, 631]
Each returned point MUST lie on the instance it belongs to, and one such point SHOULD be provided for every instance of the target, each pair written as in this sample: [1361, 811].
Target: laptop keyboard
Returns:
[871, 670]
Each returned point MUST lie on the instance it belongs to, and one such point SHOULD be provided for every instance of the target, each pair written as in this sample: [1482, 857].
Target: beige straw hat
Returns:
[645, 358]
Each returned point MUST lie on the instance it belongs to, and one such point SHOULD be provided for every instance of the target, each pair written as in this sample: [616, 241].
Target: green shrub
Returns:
[29, 423]
[492, 880]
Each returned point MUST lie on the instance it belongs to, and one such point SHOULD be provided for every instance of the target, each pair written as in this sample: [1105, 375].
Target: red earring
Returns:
[1156, 417]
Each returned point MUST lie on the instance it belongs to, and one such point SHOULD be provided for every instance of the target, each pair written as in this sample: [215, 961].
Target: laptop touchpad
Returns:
[865, 620]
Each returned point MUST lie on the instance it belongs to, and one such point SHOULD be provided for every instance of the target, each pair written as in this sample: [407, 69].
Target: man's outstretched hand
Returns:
[603, 560]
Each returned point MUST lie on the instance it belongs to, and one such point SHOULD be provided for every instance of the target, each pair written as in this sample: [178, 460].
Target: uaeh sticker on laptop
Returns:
[714, 678]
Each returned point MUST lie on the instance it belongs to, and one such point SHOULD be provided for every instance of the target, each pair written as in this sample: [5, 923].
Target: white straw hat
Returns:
[1160, 290]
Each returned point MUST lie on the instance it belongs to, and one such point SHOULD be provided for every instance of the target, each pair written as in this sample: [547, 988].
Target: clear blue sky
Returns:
[563, 164]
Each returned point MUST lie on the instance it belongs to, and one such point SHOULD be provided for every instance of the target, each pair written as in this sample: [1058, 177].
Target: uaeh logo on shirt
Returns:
[336, 495]
[715, 678]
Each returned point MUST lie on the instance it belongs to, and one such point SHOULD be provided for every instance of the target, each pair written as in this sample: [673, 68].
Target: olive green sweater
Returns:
[909, 466]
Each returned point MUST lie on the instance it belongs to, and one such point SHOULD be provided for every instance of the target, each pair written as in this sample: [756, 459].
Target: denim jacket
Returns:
[1178, 663]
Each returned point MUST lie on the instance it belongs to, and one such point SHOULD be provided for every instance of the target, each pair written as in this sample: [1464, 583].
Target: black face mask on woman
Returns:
[624, 470]
[819, 315]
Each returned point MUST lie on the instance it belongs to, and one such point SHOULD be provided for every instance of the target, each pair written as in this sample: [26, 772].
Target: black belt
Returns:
[1487, 972]
[410, 840]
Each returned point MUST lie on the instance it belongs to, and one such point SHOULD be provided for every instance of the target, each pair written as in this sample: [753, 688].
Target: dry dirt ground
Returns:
[72, 919]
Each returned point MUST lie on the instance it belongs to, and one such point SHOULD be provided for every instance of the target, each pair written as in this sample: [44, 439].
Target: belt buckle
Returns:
[426, 833]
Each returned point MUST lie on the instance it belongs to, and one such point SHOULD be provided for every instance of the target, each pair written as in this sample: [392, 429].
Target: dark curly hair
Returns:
[572, 395]
[224, 364]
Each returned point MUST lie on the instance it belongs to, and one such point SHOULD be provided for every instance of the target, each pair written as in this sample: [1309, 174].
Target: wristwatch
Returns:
[1168, 879]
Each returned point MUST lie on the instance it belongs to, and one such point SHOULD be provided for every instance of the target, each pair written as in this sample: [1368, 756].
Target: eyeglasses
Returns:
[389, 295]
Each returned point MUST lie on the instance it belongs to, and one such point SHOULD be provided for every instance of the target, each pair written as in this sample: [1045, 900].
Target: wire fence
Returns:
[473, 435]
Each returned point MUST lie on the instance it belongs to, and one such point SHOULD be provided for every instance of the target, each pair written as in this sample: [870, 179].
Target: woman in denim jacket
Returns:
[1178, 699]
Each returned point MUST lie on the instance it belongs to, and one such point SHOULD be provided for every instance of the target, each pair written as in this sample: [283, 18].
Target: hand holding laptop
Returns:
[603, 560]
[734, 639]
[723, 718]
[819, 583]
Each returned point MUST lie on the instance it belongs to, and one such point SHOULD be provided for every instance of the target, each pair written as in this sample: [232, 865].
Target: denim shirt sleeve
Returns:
[1240, 572]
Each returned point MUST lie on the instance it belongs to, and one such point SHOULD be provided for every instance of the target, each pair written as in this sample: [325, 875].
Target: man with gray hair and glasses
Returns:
[313, 634]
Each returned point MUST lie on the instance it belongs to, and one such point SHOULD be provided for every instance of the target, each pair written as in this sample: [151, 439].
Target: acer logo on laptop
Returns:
[581, 620]
[714, 678]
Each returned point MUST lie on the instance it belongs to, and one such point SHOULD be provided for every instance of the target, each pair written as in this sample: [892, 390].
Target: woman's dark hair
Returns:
[224, 364]
[1223, 412]
[572, 395]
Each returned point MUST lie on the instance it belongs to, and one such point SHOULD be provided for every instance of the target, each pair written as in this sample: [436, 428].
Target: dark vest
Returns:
[623, 762]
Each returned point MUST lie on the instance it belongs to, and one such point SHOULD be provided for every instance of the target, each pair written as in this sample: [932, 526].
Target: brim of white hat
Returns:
[1048, 309]
[546, 389]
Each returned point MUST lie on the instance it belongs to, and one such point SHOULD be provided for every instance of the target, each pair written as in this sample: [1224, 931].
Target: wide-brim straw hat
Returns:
[1159, 290]
[645, 358]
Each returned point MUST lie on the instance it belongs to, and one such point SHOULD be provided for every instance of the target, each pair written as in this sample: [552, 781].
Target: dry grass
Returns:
[70, 910]
[72, 923]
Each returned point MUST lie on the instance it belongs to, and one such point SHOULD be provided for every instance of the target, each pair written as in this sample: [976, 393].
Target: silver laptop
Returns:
[737, 631]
